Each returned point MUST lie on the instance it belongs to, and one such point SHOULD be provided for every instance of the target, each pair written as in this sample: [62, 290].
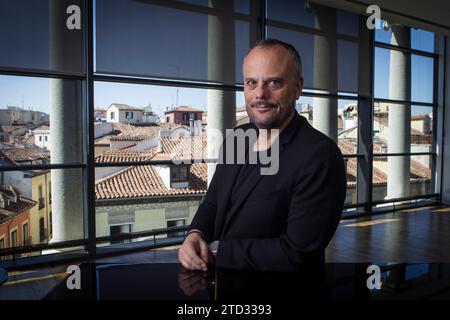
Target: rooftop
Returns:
[144, 181]
[12, 205]
[184, 108]
[122, 106]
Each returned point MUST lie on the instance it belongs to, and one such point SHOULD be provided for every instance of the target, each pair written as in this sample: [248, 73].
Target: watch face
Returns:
[213, 246]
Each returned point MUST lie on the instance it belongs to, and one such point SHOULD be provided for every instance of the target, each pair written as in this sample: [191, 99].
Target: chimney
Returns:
[191, 126]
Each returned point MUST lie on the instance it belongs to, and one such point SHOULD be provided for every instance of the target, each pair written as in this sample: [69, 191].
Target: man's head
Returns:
[272, 83]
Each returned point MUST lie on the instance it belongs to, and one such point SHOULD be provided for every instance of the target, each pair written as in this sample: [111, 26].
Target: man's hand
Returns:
[194, 254]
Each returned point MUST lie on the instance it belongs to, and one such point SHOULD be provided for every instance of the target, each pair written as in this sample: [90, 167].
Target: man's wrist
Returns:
[195, 231]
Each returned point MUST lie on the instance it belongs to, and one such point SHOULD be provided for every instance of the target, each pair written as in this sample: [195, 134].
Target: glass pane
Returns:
[419, 39]
[351, 166]
[51, 202]
[36, 35]
[408, 77]
[341, 126]
[141, 196]
[241, 6]
[320, 56]
[40, 121]
[193, 46]
[422, 40]
[404, 119]
[402, 176]
[307, 14]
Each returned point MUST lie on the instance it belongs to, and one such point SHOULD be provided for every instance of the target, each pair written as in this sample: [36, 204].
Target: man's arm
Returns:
[195, 254]
[314, 214]
[205, 216]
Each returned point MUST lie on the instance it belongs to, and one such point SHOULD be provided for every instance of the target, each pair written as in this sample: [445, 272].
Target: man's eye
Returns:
[251, 82]
[274, 82]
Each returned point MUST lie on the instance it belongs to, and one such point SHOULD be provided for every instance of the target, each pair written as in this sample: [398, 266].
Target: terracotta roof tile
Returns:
[26, 154]
[144, 181]
[12, 207]
[184, 108]
[191, 147]
[125, 155]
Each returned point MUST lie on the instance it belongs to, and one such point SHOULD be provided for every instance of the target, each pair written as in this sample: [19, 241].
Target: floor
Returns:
[417, 235]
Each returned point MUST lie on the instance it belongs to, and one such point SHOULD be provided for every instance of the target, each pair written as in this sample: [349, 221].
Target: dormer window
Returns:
[178, 174]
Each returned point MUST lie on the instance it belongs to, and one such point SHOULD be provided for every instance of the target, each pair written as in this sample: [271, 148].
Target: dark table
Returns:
[170, 281]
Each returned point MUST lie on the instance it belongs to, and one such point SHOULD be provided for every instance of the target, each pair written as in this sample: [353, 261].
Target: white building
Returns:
[42, 137]
[122, 113]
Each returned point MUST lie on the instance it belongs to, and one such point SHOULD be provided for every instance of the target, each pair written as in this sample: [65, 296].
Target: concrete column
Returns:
[399, 138]
[325, 72]
[65, 53]
[221, 104]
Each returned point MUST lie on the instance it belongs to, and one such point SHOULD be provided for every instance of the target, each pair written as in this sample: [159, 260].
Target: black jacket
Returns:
[279, 222]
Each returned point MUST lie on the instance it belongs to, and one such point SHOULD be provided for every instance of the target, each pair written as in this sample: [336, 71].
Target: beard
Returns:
[280, 113]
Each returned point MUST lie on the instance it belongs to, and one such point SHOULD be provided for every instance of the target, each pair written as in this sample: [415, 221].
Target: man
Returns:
[278, 222]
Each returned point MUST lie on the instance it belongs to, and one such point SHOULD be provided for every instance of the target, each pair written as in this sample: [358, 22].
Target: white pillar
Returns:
[325, 72]
[65, 53]
[221, 68]
[399, 138]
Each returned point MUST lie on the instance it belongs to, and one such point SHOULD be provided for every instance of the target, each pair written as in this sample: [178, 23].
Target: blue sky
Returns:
[32, 93]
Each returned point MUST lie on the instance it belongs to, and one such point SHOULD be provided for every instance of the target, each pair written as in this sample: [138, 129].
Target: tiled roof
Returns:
[12, 207]
[149, 131]
[124, 155]
[122, 106]
[184, 108]
[25, 139]
[43, 127]
[420, 117]
[129, 137]
[25, 154]
[10, 129]
[191, 147]
[144, 181]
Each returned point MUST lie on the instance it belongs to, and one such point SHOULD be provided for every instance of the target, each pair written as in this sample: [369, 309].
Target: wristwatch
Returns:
[213, 246]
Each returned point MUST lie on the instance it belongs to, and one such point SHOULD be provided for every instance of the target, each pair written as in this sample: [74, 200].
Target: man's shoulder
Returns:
[312, 139]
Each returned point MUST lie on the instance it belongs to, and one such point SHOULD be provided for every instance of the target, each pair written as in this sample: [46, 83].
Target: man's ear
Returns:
[299, 88]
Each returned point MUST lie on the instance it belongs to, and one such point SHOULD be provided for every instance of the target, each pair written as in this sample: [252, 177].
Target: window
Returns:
[14, 238]
[25, 234]
[42, 230]
[50, 224]
[2, 243]
[41, 197]
[128, 115]
[119, 230]
[175, 223]
[178, 174]
[336, 49]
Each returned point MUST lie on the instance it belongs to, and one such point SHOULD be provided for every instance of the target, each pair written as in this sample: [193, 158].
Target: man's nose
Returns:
[261, 91]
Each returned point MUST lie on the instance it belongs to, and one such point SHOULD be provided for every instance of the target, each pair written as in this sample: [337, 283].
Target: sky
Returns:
[33, 93]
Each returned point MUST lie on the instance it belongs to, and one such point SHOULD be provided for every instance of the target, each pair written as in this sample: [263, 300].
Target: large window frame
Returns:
[258, 17]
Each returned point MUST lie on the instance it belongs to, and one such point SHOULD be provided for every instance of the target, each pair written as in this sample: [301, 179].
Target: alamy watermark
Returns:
[74, 280]
[374, 280]
[374, 19]
[242, 147]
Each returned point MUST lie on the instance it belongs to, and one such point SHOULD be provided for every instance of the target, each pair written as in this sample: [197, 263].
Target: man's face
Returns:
[270, 87]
